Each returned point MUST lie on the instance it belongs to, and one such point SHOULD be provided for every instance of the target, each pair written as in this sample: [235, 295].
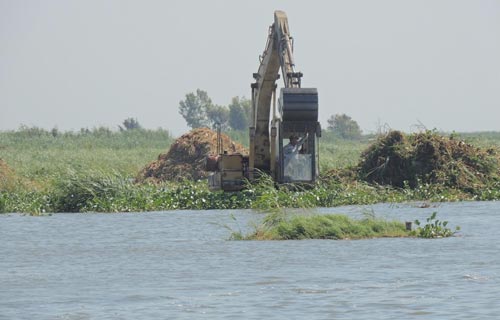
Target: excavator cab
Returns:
[299, 131]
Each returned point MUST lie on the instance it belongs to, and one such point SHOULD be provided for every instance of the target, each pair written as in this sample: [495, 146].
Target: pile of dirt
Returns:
[186, 157]
[399, 160]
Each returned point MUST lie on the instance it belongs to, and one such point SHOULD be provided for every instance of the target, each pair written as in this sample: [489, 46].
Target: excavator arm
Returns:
[270, 124]
[278, 54]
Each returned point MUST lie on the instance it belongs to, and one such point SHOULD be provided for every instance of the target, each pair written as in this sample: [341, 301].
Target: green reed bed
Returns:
[281, 226]
[105, 192]
[330, 226]
[112, 192]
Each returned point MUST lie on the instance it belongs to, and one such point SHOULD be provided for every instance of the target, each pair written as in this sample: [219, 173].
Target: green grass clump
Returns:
[280, 226]
[331, 226]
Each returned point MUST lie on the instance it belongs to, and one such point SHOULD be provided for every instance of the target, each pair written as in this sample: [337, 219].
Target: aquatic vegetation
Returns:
[434, 228]
[279, 226]
[97, 191]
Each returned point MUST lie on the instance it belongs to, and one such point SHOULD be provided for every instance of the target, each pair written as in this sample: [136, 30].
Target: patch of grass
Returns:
[43, 157]
[330, 226]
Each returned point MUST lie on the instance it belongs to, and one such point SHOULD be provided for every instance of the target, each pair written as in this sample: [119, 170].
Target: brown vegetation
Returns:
[398, 160]
[186, 157]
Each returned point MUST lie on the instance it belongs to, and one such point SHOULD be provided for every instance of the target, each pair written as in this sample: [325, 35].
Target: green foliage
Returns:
[267, 196]
[330, 226]
[28, 201]
[434, 228]
[239, 113]
[130, 124]
[42, 158]
[485, 139]
[199, 111]
[340, 153]
[344, 126]
[217, 116]
[73, 193]
[194, 109]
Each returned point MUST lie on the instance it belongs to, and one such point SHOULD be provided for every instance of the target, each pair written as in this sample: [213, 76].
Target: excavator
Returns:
[294, 117]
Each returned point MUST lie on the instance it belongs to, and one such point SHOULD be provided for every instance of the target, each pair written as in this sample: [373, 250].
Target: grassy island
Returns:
[279, 226]
[332, 226]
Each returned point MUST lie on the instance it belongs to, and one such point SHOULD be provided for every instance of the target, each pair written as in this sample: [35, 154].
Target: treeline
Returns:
[129, 124]
[198, 110]
[101, 136]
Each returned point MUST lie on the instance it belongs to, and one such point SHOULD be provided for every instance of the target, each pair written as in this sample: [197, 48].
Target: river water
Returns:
[180, 265]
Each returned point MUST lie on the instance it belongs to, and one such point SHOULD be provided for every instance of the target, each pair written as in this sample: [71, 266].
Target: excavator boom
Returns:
[295, 114]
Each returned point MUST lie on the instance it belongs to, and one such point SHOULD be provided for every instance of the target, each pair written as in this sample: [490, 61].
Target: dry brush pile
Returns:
[399, 160]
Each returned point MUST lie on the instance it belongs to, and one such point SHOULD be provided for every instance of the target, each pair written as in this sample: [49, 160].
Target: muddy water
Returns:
[179, 265]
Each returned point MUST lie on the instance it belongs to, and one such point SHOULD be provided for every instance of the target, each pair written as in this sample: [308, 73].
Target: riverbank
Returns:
[113, 193]
[94, 171]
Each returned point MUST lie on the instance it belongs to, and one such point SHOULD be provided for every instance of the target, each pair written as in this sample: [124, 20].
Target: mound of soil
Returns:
[398, 160]
[186, 157]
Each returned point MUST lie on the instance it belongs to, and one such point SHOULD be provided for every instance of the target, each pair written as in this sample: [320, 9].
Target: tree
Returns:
[130, 124]
[344, 126]
[217, 115]
[194, 109]
[239, 113]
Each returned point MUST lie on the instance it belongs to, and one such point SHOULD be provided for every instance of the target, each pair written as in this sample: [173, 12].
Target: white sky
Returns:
[74, 64]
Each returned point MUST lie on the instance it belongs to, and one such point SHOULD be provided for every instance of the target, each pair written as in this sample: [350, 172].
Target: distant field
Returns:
[482, 139]
[45, 156]
[40, 156]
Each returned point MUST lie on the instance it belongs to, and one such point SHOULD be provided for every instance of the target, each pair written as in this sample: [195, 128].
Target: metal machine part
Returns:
[271, 125]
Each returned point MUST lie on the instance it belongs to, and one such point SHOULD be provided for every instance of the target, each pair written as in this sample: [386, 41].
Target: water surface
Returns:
[179, 265]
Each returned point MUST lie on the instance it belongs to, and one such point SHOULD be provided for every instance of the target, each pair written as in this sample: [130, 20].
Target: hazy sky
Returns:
[74, 64]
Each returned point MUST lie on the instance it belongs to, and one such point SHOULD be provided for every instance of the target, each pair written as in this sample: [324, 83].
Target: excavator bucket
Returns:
[299, 104]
